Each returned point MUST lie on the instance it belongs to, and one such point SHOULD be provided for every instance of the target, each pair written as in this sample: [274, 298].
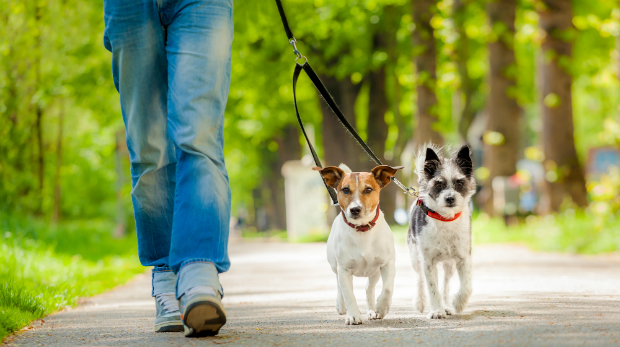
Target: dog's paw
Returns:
[460, 301]
[341, 309]
[437, 314]
[353, 320]
[374, 315]
[449, 311]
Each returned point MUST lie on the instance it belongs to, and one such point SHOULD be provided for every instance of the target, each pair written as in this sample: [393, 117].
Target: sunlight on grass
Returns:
[574, 232]
[45, 268]
[570, 231]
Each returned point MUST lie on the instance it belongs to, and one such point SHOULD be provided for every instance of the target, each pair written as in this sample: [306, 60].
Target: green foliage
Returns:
[570, 231]
[586, 232]
[43, 269]
[53, 60]
[52, 63]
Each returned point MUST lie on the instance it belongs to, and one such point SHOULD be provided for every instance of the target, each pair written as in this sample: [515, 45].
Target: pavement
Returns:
[280, 294]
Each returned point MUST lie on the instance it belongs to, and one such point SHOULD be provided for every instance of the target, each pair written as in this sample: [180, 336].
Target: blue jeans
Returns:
[171, 65]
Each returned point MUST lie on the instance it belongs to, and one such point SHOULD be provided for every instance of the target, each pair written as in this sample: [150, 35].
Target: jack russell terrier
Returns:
[440, 227]
[361, 243]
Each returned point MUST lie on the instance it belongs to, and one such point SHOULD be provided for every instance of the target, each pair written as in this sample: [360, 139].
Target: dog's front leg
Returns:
[370, 295]
[345, 281]
[437, 307]
[463, 267]
[340, 306]
[448, 269]
[385, 299]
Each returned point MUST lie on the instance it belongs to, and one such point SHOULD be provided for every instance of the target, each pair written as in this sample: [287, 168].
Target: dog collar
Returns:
[434, 214]
[362, 227]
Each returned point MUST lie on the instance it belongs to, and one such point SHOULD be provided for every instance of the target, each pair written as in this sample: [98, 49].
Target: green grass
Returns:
[44, 268]
[572, 232]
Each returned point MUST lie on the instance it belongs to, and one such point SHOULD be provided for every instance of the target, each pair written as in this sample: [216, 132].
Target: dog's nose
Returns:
[450, 200]
[355, 211]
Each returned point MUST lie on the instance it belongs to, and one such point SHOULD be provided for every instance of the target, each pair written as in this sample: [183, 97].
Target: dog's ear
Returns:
[463, 160]
[383, 174]
[431, 163]
[331, 175]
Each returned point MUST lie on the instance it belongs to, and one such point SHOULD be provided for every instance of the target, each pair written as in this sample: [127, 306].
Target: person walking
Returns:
[171, 62]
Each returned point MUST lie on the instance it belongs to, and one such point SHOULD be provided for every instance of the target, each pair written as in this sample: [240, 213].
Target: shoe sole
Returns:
[166, 327]
[204, 318]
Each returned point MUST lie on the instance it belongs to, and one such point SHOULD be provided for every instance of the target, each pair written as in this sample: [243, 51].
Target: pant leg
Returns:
[198, 49]
[134, 35]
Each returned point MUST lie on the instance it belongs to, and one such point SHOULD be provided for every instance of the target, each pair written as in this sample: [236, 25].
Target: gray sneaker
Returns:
[202, 312]
[168, 317]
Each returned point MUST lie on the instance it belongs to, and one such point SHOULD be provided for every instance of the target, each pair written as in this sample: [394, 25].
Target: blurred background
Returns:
[532, 85]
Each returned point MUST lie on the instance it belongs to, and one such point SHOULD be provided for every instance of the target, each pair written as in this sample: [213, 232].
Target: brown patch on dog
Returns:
[363, 185]
[331, 175]
[383, 174]
[360, 185]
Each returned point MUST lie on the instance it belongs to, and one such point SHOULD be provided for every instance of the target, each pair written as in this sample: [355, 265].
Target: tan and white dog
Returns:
[361, 243]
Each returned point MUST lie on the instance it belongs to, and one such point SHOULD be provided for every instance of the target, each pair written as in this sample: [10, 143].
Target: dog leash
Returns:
[305, 66]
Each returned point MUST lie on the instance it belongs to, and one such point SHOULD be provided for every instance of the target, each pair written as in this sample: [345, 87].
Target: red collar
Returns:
[434, 214]
[362, 227]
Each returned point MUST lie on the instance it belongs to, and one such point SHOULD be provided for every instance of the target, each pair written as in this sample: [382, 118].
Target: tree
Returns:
[338, 146]
[287, 147]
[564, 175]
[469, 86]
[383, 41]
[503, 126]
[425, 59]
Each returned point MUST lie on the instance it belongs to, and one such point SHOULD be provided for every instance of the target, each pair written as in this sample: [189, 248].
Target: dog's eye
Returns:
[346, 190]
[367, 190]
[459, 183]
[439, 184]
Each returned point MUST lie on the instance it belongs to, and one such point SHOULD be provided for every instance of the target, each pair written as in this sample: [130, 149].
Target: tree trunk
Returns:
[39, 111]
[468, 86]
[289, 148]
[503, 125]
[564, 173]
[271, 199]
[56, 215]
[377, 128]
[425, 55]
[338, 146]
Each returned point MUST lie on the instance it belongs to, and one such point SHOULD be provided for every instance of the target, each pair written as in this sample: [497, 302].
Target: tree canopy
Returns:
[60, 115]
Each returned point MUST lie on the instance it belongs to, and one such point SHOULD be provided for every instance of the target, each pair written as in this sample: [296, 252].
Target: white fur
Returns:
[344, 168]
[362, 254]
[446, 243]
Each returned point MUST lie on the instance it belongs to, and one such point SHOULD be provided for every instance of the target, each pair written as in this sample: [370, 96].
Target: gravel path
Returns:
[280, 294]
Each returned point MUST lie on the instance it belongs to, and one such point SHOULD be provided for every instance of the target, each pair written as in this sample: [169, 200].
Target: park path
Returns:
[280, 294]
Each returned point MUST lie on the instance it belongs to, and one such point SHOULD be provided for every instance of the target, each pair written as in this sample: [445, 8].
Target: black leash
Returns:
[305, 66]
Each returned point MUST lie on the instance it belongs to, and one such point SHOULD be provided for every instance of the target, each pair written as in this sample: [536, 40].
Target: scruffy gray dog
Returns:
[440, 227]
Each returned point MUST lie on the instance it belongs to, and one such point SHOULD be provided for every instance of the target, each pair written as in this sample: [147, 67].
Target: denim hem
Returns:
[197, 272]
[163, 281]
[197, 260]
[161, 269]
